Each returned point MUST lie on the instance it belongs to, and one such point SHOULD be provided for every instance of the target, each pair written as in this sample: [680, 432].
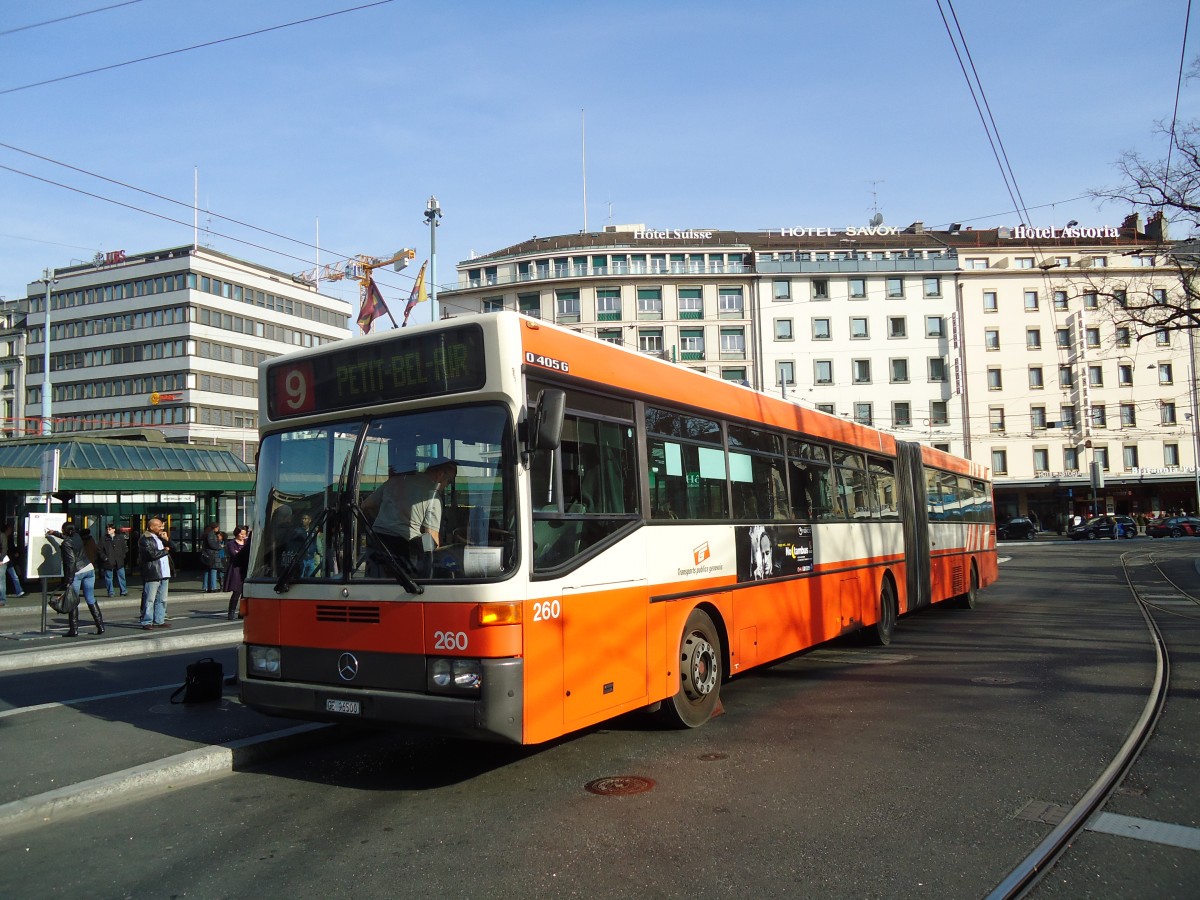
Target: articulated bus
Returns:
[621, 533]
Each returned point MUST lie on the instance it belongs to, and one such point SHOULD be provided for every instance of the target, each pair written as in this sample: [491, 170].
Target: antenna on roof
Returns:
[877, 219]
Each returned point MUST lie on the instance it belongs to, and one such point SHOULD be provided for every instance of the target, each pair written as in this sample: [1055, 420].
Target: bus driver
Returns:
[406, 507]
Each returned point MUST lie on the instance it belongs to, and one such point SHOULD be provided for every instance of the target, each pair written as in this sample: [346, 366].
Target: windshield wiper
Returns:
[288, 576]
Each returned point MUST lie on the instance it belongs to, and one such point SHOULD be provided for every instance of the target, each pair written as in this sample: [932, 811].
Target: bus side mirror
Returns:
[545, 431]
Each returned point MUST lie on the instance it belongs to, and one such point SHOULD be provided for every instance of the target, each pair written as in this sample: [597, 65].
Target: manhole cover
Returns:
[993, 679]
[712, 757]
[619, 785]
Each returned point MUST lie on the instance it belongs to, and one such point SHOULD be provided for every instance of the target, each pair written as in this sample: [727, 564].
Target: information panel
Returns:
[360, 374]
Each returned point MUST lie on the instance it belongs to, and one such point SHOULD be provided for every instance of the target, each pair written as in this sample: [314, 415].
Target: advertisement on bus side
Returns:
[773, 551]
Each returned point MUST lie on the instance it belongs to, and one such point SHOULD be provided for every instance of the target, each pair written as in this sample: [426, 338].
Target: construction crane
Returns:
[359, 268]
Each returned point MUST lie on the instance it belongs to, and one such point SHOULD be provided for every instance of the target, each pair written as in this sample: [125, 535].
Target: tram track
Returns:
[1029, 871]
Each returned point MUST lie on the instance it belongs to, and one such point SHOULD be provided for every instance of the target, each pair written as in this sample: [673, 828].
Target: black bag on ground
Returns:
[204, 682]
[66, 600]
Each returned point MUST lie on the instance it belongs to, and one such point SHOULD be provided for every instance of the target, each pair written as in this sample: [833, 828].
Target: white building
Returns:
[169, 339]
[998, 344]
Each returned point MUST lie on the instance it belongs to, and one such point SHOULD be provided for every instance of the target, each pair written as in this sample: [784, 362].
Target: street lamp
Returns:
[47, 391]
[433, 213]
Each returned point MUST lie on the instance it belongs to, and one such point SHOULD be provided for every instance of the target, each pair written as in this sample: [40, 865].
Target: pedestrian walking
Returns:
[79, 572]
[154, 560]
[4, 562]
[210, 559]
[238, 553]
[114, 549]
[15, 555]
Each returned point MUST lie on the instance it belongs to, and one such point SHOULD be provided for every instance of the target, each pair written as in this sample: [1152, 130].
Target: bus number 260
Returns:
[547, 609]
[449, 640]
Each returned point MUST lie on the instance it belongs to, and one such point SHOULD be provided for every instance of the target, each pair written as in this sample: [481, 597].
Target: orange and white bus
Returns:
[621, 533]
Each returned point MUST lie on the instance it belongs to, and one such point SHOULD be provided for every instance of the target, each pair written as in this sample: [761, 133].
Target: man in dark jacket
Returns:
[154, 560]
[114, 549]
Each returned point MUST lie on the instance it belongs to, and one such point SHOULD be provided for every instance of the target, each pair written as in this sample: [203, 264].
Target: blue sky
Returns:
[698, 115]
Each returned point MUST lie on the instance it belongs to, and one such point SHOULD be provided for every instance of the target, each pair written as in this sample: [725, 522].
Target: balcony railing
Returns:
[573, 271]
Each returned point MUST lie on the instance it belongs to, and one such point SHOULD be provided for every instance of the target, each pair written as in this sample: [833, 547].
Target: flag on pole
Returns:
[372, 307]
[418, 293]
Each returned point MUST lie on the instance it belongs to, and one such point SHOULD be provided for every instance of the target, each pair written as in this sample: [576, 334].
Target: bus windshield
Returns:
[418, 497]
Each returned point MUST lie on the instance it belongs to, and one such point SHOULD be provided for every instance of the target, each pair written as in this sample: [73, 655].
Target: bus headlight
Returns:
[451, 675]
[263, 662]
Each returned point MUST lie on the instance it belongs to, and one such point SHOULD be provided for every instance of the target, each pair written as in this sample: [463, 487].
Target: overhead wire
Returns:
[77, 15]
[1178, 88]
[212, 43]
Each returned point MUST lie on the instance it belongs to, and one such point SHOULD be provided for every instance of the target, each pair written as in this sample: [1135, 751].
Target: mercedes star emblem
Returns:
[347, 666]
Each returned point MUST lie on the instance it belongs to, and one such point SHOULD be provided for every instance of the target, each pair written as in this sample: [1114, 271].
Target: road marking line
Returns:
[42, 706]
[1147, 830]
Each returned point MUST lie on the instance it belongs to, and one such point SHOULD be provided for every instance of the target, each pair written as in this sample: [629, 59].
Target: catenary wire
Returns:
[67, 18]
[213, 43]
[1178, 86]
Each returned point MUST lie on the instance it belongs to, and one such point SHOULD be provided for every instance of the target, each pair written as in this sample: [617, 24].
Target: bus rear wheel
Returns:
[881, 632]
[968, 600]
[699, 674]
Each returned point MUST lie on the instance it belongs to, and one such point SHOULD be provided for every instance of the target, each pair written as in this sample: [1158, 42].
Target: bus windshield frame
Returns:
[315, 515]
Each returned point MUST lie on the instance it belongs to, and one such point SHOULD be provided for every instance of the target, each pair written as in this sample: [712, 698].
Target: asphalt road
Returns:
[845, 772]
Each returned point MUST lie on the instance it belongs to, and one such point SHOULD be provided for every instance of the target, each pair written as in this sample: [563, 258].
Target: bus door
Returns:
[915, 519]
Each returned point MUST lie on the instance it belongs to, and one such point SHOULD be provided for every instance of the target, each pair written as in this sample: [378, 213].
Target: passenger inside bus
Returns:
[406, 514]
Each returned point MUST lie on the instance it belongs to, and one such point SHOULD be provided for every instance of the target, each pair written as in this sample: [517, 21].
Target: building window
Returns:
[1037, 417]
[1162, 338]
[1170, 454]
[901, 415]
[826, 408]
[820, 288]
[862, 371]
[1096, 375]
[733, 342]
[937, 368]
[1035, 378]
[650, 340]
[1121, 296]
[1041, 459]
[1166, 413]
[820, 330]
[895, 288]
[1066, 377]
[1024, 262]
[1099, 416]
[729, 301]
[864, 413]
[1165, 375]
[567, 303]
[996, 419]
[858, 288]
[938, 414]
[935, 326]
[781, 289]
[977, 263]
[783, 330]
[933, 286]
[1070, 459]
[1122, 336]
[989, 301]
[991, 338]
[899, 371]
[1099, 262]
[492, 304]
[691, 303]
[691, 343]
[1031, 301]
[1160, 296]
[1033, 338]
[1128, 415]
[610, 335]
[999, 462]
[785, 372]
[1062, 338]
[994, 380]
[858, 328]
[608, 304]
[1060, 301]
[1129, 456]
[823, 371]
[650, 302]
[1092, 337]
[1091, 300]
[530, 305]
[1125, 375]
[897, 327]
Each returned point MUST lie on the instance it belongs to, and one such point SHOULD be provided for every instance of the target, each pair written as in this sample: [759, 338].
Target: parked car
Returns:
[1173, 526]
[1104, 527]
[1018, 528]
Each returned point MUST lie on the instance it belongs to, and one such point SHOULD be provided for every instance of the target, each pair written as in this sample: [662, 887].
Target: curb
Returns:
[35, 657]
[181, 770]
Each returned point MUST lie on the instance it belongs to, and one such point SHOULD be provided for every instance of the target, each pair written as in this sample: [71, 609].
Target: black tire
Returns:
[700, 673]
[971, 597]
[1092, 536]
[1176, 532]
[881, 632]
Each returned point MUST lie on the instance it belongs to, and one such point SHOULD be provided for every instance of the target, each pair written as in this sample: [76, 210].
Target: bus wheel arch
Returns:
[702, 667]
[888, 611]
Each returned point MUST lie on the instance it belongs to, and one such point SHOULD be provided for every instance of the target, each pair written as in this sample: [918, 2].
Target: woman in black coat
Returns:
[210, 559]
[237, 551]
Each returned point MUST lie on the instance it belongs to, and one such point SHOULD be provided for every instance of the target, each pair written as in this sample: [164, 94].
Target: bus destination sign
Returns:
[401, 368]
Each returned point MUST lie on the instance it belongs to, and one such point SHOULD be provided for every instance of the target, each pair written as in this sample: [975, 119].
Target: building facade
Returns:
[169, 339]
[1003, 345]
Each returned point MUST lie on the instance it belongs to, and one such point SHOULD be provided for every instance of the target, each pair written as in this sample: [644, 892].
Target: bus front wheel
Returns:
[699, 674]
